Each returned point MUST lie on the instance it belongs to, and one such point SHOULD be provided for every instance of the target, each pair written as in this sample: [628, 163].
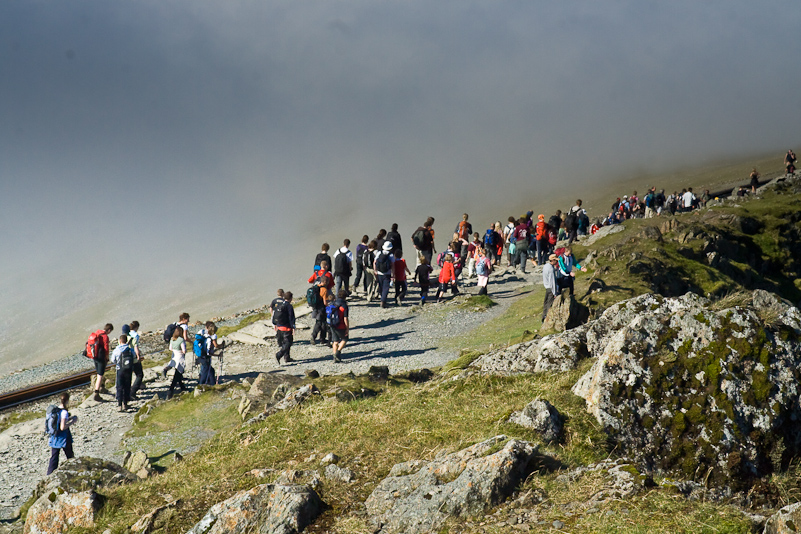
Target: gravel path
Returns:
[402, 338]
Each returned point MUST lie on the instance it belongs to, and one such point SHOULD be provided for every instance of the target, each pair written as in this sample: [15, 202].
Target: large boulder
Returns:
[82, 474]
[557, 352]
[686, 388]
[56, 512]
[418, 497]
[273, 508]
[565, 313]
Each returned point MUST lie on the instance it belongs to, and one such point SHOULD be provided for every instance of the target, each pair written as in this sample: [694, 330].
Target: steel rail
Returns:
[39, 391]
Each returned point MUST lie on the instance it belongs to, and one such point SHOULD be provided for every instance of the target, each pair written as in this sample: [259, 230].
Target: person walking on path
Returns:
[284, 321]
[370, 282]
[483, 270]
[395, 238]
[401, 270]
[97, 348]
[204, 347]
[178, 362]
[343, 267]
[447, 276]
[421, 275]
[339, 323]
[138, 371]
[61, 438]
[520, 239]
[462, 234]
[320, 286]
[123, 358]
[549, 281]
[322, 256]
[423, 240]
[383, 271]
[361, 248]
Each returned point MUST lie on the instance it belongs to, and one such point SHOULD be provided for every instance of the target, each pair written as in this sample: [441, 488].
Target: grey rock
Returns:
[329, 458]
[138, 463]
[339, 474]
[557, 352]
[260, 386]
[273, 508]
[293, 399]
[55, 512]
[785, 521]
[281, 391]
[541, 416]
[465, 483]
[82, 474]
[565, 313]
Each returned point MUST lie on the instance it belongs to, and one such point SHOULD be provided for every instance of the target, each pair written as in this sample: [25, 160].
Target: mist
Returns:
[169, 156]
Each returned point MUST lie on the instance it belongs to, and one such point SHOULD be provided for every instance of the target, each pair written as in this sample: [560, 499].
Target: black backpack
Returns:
[570, 221]
[281, 313]
[382, 263]
[313, 296]
[418, 238]
[169, 330]
[127, 359]
[342, 265]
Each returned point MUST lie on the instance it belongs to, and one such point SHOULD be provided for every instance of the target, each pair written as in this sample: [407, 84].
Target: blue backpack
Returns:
[199, 348]
[332, 315]
[51, 419]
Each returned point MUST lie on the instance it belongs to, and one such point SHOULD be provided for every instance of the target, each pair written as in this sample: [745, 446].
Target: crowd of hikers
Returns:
[381, 274]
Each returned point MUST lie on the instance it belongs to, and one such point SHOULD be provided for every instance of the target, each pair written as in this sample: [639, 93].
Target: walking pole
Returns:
[222, 350]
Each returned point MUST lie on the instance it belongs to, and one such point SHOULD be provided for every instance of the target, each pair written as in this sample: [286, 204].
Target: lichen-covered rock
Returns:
[565, 313]
[557, 352]
[541, 416]
[339, 474]
[83, 474]
[56, 512]
[267, 508]
[147, 523]
[293, 399]
[138, 463]
[468, 482]
[261, 386]
[785, 521]
[686, 388]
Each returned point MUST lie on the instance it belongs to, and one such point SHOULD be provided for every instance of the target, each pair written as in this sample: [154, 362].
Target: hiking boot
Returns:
[97, 397]
[120, 408]
[288, 360]
[169, 395]
[278, 357]
[336, 359]
[104, 391]
[134, 397]
[313, 341]
[126, 407]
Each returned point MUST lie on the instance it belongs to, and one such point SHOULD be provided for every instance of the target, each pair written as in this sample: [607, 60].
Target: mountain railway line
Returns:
[45, 389]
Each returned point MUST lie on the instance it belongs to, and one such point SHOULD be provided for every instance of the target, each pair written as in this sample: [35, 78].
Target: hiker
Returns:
[741, 191]
[279, 296]
[659, 201]
[320, 290]
[401, 270]
[123, 358]
[383, 271]
[462, 234]
[204, 347]
[97, 348]
[754, 180]
[343, 267]
[338, 322]
[178, 362]
[423, 239]
[395, 238]
[491, 241]
[322, 272]
[322, 256]
[370, 282]
[284, 321]
[549, 281]
[520, 239]
[688, 199]
[565, 272]
[471, 254]
[133, 341]
[541, 236]
[182, 324]
[650, 203]
[361, 248]
[61, 437]
[447, 276]
[483, 270]
[421, 275]
[571, 222]
[380, 239]
[507, 235]
[789, 162]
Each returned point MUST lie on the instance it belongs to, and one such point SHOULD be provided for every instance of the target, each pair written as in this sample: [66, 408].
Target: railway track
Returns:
[39, 391]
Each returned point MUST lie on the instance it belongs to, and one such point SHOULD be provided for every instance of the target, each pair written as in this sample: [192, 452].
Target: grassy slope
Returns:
[416, 422]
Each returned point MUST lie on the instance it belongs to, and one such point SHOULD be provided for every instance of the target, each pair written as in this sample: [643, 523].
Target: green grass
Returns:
[247, 321]
[20, 417]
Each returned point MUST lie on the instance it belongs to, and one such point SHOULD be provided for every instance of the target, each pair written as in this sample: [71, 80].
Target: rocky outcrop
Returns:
[558, 352]
[274, 508]
[293, 399]
[56, 512]
[565, 313]
[685, 388]
[138, 463]
[785, 521]
[417, 497]
[150, 521]
[82, 474]
[542, 417]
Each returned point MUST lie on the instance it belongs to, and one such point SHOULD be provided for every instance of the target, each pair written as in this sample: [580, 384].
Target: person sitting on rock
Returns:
[565, 273]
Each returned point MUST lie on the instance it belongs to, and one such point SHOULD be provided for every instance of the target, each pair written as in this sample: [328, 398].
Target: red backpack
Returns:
[94, 344]
[463, 230]
[552, 236]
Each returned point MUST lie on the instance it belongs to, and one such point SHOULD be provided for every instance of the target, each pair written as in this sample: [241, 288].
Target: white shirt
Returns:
[688, 198]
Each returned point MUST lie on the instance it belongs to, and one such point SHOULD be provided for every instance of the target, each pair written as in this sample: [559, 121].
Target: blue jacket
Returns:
[61, 438]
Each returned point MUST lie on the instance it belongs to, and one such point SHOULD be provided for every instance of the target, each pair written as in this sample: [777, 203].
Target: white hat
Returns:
[387, 245]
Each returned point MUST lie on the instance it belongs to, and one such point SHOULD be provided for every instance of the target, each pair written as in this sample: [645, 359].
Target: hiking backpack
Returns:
[481, 267]
[341, 265]
[199, 347]
[382, 263]
[93, 344]
[552, 237]
[127, 359]
[649, 200]
[463, 230]
[51, 419]
[570, 221]
[281, 313]
[489, 239]
[418, 238]
[313, 296]
[332, 315]
[169, 330]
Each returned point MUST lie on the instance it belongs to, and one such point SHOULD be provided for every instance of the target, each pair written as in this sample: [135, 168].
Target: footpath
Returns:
[400, 337]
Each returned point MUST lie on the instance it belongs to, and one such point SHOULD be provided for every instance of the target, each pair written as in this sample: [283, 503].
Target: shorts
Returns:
[100, 367]
[338, 334]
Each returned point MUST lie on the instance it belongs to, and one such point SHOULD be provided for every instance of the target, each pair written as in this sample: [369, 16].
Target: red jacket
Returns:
[327, 274]
[447, 273]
